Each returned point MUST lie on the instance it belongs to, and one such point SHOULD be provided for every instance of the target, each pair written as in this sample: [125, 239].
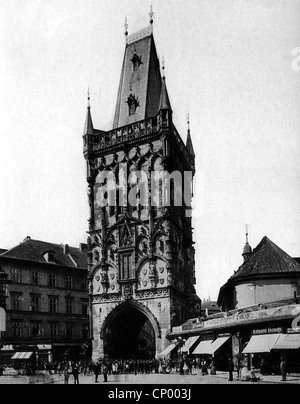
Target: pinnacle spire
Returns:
[89, 127]
[164, 96]
[189, 142]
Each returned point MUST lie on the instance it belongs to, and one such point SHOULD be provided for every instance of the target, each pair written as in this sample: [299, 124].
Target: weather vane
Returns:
[151, 14]
[247, 231]
[163, 66]
[89, 98]
[126, 29]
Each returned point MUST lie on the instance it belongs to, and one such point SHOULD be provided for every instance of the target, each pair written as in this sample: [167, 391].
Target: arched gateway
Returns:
[140, 252]
[130, 332]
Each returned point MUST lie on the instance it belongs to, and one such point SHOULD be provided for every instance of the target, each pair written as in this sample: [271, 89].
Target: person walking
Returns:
[76, 374]
[230, 369]
[283, 369]
[97, 369]
[105, 372]
[66, 375]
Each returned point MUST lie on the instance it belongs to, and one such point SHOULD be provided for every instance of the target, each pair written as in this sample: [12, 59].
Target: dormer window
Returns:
[133, 104]
[136, 62]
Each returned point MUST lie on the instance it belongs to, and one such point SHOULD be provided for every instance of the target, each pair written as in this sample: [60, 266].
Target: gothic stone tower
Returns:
[141, 257]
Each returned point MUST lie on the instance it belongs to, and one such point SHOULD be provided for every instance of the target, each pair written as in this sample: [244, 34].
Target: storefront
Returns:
[255, 336]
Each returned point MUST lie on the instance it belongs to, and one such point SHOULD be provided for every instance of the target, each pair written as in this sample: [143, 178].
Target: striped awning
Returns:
[262, 343]
[204, 348]
[288, 342]
[189, 344]
[216, 345]
[22, 355]
[167, 351]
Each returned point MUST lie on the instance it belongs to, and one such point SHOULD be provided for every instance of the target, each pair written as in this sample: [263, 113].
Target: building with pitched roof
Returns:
[47, 301]
[260, 316]
[267, 274]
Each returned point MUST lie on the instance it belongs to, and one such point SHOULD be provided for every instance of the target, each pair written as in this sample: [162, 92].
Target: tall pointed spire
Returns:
[189, 142]
[140, 78]
[89, 127]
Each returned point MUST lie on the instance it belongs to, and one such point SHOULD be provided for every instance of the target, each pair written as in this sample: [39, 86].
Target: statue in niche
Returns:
[144, 248]
[162, 246]
[152, 269]
[96, 255]
[90, 287]
[112, 254]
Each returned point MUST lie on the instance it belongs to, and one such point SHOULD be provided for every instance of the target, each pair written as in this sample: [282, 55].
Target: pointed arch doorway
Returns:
[129, 333]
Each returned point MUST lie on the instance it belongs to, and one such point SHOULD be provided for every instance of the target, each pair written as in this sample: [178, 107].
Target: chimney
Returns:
[83, 248]
[66, 249]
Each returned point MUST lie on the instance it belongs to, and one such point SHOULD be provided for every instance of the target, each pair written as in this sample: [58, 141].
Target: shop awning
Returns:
[44, 347]
[288, 342]
[262, 343]
[167, 351]
[7, 348]
[204, 348]
[22, 355]
[189, 343]
[218, 343]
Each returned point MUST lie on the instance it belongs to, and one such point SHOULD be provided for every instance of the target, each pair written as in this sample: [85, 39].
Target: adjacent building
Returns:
[260, 319]
[47, 302]
[268, 274]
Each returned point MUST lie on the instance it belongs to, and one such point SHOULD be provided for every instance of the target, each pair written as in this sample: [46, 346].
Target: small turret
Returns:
[247, 252]
[165, 105]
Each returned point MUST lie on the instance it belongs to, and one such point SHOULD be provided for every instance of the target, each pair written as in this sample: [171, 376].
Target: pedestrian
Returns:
[283, 369]
[66, 375]
[204, 368]
[213, 370]
[97, 369]
[76, 374]
[105, 372]
[230, 369]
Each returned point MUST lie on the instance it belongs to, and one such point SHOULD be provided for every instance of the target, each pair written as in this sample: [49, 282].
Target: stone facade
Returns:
[141, 257]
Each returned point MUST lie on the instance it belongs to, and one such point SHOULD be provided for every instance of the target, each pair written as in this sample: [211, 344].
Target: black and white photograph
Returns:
[149, 194]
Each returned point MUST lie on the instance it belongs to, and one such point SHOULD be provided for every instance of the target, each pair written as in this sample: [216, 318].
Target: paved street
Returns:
[221, 378]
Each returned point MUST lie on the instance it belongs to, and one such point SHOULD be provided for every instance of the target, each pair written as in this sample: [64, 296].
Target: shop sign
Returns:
[245, 317]
[293, 330]
[268, 331]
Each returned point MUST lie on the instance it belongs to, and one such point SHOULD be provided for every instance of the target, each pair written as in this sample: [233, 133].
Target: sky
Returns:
[229, 64]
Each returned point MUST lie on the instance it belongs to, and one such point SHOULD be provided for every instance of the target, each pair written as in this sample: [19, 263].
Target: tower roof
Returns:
[140, 80]
[267, 258]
